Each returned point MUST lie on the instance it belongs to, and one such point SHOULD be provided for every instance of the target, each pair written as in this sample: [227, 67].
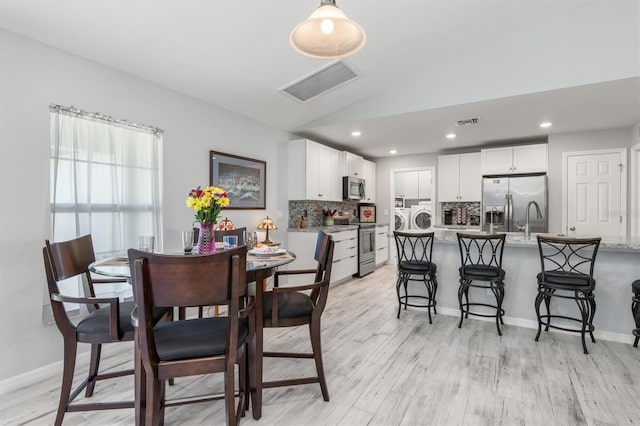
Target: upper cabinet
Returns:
[459, 177]
[413, 185]
[321, 168]
[352, 164]
[514, 159]
[369, 176]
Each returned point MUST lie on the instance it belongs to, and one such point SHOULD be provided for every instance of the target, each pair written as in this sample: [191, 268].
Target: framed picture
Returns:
[244, 179]
[367, 213]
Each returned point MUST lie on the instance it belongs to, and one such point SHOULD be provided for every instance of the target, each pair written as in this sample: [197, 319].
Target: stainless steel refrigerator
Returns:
[505, 200]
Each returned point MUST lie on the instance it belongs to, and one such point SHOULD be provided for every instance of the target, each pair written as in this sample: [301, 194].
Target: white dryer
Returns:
[420, 217]
[402, 219]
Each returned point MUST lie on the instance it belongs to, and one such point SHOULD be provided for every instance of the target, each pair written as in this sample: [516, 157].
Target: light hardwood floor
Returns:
[386, 371]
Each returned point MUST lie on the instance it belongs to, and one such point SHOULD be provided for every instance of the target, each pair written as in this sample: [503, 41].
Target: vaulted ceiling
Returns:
[426, 64]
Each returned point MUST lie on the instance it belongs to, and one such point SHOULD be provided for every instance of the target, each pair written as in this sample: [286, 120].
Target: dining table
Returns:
[260, 267]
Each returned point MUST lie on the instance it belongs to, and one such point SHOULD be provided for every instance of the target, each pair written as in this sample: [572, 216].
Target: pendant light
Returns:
[327, 34]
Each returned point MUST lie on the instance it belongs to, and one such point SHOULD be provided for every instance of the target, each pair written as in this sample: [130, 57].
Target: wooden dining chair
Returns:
[108, 321]
[195, 346]
[293, 306]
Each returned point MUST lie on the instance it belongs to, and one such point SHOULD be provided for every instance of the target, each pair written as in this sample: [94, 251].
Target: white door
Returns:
[595, 201]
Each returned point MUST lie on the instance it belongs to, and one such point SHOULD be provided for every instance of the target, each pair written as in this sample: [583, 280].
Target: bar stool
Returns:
[414, 264]
[567, 272]
[635, 308]
[481, 267]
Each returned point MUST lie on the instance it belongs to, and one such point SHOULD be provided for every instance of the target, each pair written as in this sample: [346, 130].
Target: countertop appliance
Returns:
[505, 200]
[352, 188]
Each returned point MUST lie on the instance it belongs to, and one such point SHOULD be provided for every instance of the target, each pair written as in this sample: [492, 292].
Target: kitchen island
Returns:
[617, 266]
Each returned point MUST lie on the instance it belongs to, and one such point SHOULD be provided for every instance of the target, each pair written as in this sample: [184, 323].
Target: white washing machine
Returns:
[420, 217]
[402, 219]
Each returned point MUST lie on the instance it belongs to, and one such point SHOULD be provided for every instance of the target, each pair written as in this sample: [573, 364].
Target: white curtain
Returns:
[105, 181]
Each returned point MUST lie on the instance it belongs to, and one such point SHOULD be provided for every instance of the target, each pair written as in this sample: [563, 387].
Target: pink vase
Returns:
[206, 238]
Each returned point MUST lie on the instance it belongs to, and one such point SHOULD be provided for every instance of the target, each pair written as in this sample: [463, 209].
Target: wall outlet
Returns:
[278, 214]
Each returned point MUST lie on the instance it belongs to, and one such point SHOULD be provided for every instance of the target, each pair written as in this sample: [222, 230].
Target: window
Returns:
[105, 179]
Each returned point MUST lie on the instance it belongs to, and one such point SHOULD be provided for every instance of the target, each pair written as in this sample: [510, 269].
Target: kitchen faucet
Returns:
[527, 231]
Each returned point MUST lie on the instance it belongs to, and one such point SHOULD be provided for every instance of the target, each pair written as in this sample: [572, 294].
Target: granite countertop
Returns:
[518, 239]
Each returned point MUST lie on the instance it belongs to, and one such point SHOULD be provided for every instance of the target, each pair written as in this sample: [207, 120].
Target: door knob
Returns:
[573, 228]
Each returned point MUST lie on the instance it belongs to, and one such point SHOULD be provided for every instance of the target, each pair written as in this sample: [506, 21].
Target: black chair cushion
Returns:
[417, 267]
[97, 322]
[196, 338]
[635, 286]
[566, 280]
[481, 272]
[290, 305]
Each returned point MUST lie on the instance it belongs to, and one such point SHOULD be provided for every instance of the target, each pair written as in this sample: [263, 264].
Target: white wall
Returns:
[32, 76]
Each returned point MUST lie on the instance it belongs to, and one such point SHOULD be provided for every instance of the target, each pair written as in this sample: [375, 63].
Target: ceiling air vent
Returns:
[468, 122]
[319, 82]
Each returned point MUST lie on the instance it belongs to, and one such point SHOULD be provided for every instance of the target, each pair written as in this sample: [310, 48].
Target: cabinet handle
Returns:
[319, 195]
[573, 228]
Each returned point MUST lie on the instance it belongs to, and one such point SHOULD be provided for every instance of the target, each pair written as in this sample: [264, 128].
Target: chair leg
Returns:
[154, 414]
[243, 382]
[229, 394]
[498, 291]
[70, 350]
[314, 330]
[635, 342]
[547, 303]
[398, 284]
[592, 305]
[96, 350]
[539, 298]
[428, 286]
[435, 291]
[464, 287]
[583, 306]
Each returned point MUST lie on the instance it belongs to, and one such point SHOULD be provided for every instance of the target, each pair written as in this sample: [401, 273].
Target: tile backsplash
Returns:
[460, 213]
[312, 211]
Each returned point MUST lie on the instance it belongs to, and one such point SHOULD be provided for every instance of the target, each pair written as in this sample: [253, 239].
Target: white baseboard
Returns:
[525, 323]
[28, 378]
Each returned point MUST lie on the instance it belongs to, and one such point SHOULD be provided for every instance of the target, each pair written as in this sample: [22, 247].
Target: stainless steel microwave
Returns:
[353, 188]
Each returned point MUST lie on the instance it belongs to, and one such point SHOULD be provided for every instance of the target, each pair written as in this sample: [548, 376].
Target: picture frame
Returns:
[244, 179]
[366, 213]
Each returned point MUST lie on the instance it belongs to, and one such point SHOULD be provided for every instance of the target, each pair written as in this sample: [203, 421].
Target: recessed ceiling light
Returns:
[356, 133]
[545, 124]
[451, 136]
[393, 151]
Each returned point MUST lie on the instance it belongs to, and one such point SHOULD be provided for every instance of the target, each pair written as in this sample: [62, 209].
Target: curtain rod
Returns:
[101, 117]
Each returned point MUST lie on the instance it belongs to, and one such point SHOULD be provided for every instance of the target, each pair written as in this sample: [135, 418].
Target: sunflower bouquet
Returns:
[207, 203]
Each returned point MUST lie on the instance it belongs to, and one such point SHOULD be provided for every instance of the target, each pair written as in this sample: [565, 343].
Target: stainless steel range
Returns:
[366, 248]
[366, 245]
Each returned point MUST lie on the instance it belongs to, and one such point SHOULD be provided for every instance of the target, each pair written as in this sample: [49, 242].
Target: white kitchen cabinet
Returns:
[382, 244]
[352, 164]
[315, 172]
[424, 184]
[345, 255]
[369, 176]
[407, 185]
[514, 159]
[459, 177]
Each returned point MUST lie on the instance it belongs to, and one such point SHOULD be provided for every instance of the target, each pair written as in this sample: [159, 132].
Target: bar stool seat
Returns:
[635, 308]
[414, 264]
[566, 280]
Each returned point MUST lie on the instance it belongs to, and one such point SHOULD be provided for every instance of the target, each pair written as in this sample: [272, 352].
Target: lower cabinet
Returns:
[345, 255]
[382, 244]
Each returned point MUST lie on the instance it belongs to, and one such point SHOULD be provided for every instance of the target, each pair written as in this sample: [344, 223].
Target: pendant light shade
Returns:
[327, 34]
